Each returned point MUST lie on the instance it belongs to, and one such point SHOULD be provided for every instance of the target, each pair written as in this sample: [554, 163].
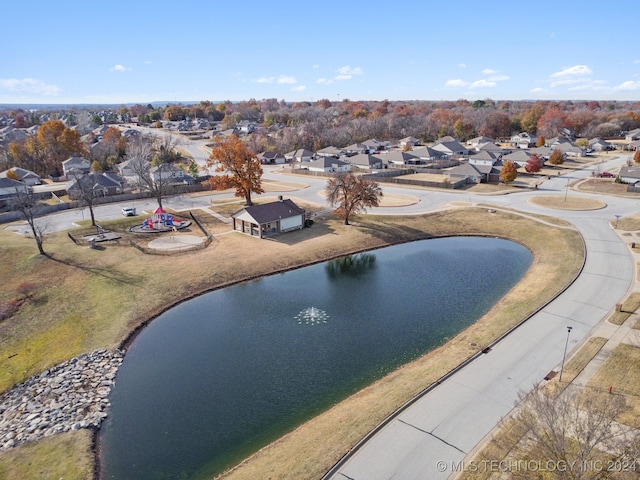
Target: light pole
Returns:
[569, 328]
[617, 218]
[566, 190]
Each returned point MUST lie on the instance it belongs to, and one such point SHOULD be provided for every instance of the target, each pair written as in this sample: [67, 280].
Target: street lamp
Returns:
[569, 328]
[617, 218]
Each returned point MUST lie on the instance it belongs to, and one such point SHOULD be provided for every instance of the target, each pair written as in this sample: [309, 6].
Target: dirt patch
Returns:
[394, 200]
[570, 202]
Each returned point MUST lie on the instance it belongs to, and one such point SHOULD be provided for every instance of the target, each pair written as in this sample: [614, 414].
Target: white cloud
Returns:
[498, 78]
[576, 70]
[462, 65]
[283, 79]
[266, 79]
[489, 71]
[629, 85]
[349, 71]
[119, 68]
[344, 73]
[456, 83]
[484, 83]
[29, 85]
[299, 88]
[538, 90]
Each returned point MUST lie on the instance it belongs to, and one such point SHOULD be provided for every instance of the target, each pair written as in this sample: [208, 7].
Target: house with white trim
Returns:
[269, 219]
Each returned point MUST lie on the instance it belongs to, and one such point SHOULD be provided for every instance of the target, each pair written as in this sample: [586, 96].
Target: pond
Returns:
[217, 377]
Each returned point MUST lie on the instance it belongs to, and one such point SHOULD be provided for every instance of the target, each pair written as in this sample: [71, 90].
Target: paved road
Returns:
[434, 434]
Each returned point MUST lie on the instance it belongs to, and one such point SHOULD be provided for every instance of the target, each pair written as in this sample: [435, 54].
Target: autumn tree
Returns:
[556, 158]
[577, 429]
[349, 194]
[239, 166]
[509, 172]
[552, 122]
[534, 164]
[636, 157]
[541, 141]
[531, 117]
[45, 151]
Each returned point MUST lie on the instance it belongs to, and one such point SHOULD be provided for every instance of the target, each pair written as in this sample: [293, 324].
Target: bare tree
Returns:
[575, 435]
[85, 187]
[158, 180]
[27, 204]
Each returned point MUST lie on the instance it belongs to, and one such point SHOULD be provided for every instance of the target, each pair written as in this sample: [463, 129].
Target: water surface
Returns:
[217, 377]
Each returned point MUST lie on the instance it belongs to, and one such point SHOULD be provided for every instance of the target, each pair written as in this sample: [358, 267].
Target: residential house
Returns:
[542, 152]
[331, 151]
[169, 172]
[428, 154]
[75, 165]
[125, 170]
[632, 135]
[269, 218]
[300, 155]
[366, 161]
[328, 165]
[599, 145]
[475, 173]
[271, 158]
[474, 142]
[519, 157]
[11, 134]
[356, 148]
[569, 149]
[246, 127]
[523, 140]
[398, 158]
[629, 174]
[409, 142]
[100, 184]
[376, 145]
[451, 147]
[484, 157]
[27, 177]
[556, 141]
[493, 148]
[9, 188]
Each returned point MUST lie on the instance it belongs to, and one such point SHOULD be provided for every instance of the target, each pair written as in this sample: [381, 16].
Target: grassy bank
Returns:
[87, 299]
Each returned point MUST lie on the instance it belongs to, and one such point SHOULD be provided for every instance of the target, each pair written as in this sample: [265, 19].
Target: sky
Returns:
[141, 51]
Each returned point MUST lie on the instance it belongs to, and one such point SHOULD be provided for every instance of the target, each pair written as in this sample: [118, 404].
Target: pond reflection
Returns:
[352, 265]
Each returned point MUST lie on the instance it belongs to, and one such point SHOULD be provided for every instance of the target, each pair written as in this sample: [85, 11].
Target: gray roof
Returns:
[326, 162]
[270, 212]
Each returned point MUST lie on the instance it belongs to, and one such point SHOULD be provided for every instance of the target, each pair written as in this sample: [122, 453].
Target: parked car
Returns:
[606, 175]
[129, 211]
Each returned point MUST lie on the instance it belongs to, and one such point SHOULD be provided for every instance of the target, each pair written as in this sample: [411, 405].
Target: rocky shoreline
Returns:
[69, 396]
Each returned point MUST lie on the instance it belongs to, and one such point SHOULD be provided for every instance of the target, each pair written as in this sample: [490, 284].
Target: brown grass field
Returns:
[94, 298]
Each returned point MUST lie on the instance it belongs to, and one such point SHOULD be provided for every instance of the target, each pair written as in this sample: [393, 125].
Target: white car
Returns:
[129, 211]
